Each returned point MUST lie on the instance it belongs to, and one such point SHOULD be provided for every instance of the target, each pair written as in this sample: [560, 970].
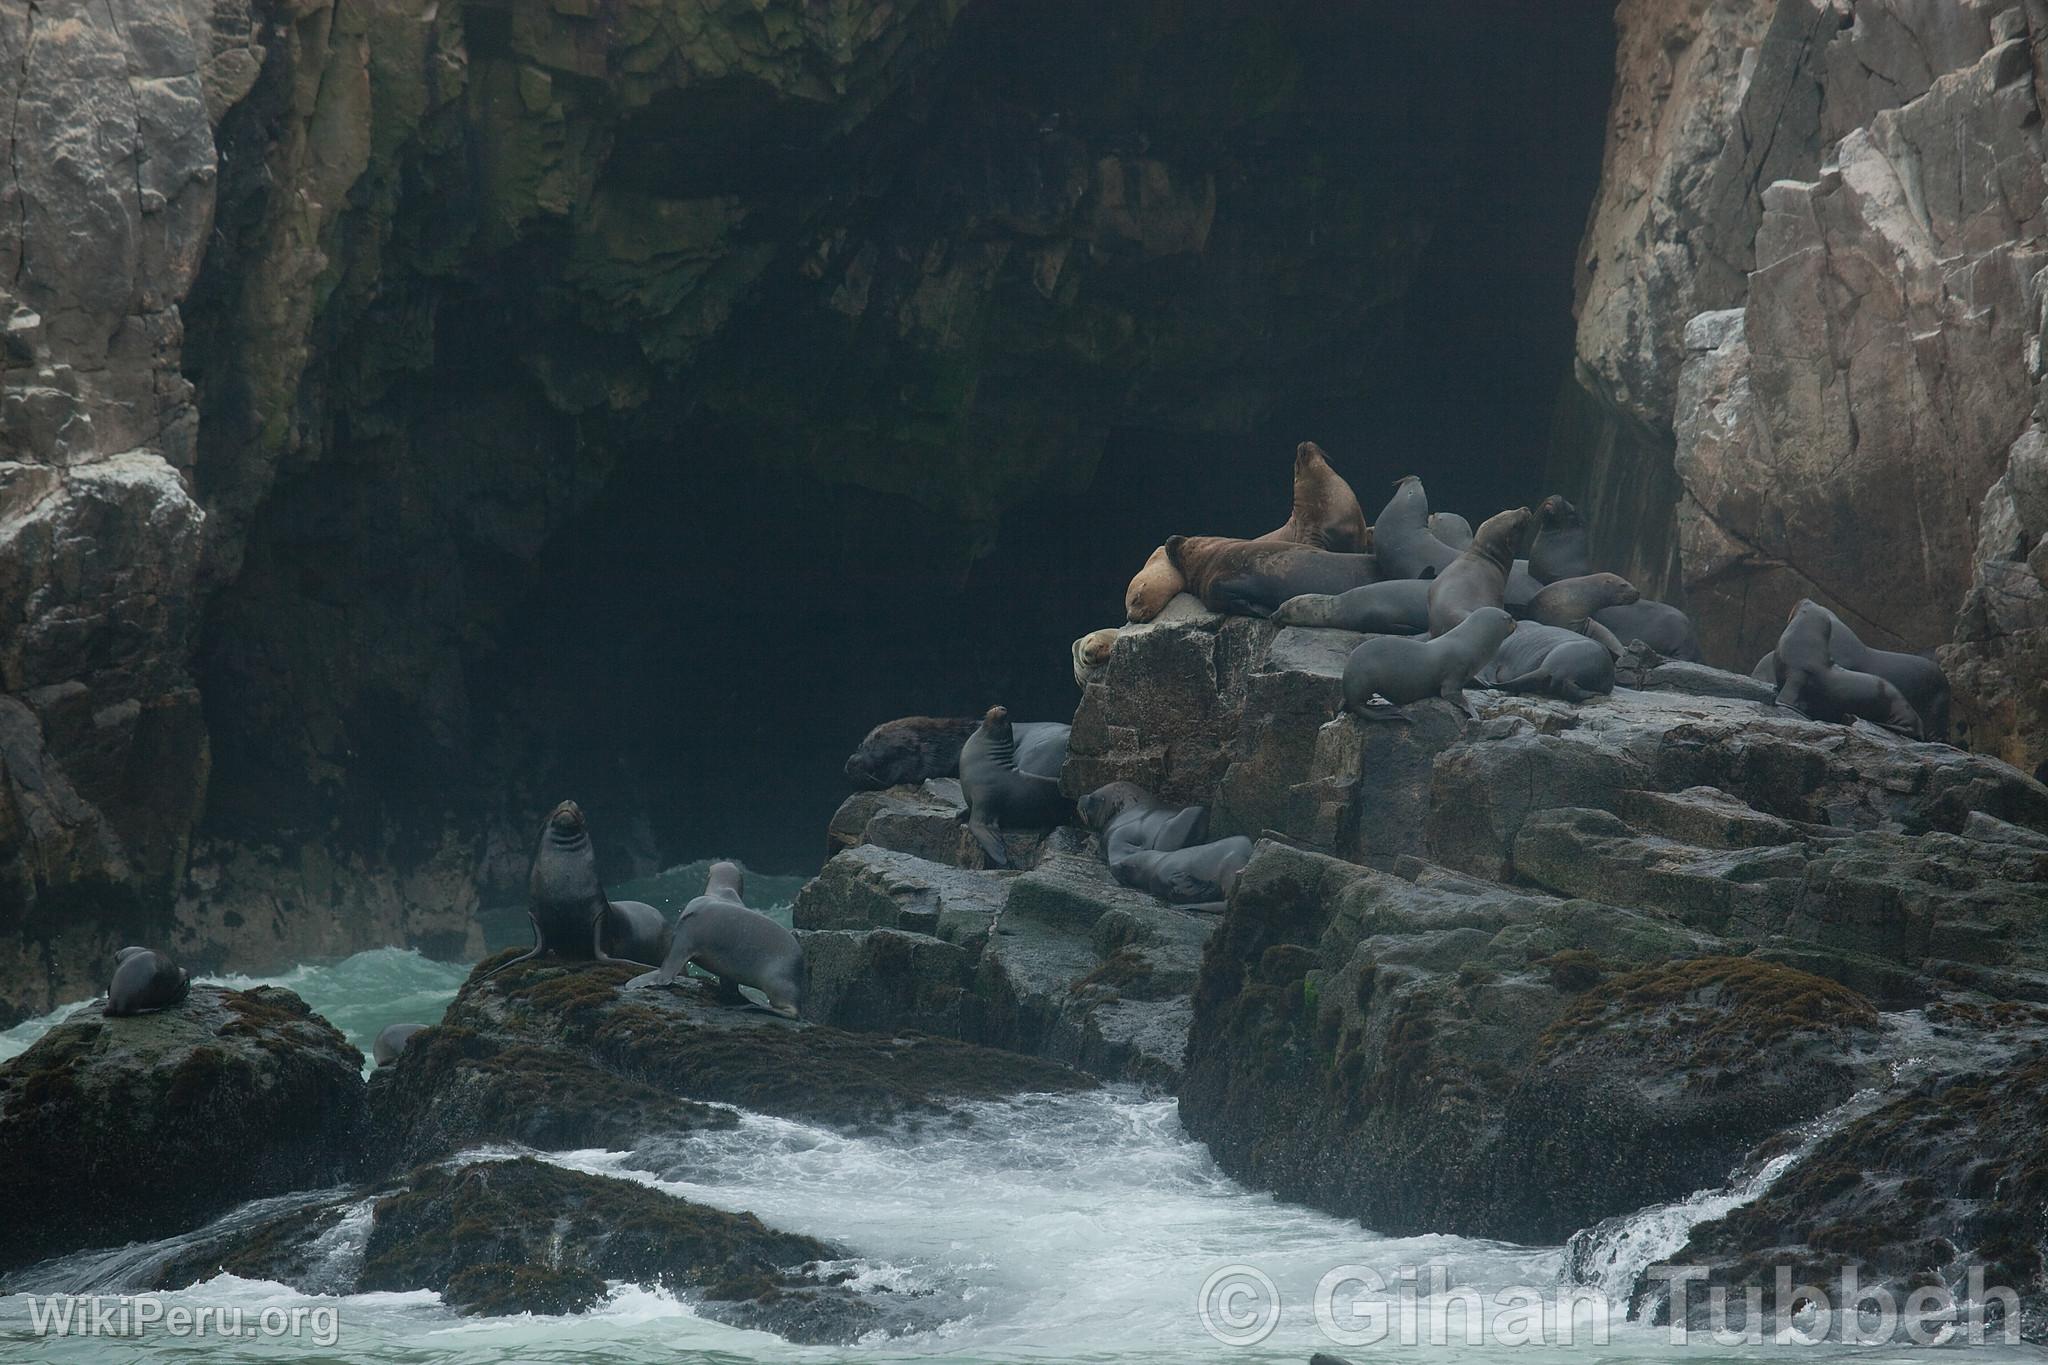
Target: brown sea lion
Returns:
[1253, 577]
[1559, 549]
[1091, 652]
[914, 748]
[1156, 585]
[1478, 577]
[1326, 512]
[1401, 539]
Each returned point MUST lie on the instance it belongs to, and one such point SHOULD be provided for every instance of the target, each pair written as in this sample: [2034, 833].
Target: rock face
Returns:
[126, 1129]
[1809, 331]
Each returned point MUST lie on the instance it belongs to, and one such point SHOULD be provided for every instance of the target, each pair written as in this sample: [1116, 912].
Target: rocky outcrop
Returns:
[124, 1129]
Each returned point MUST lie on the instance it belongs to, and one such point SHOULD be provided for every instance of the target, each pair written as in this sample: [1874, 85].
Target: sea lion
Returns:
[393, 1040]
[1091, 652]
[1253, 577]
[1478, 577]
[1553, 660]
[1326, 512]
[1403, 670]
[1398, 607]
[1130, 820]
[1571, 602]
[1921, 680]
[740, 946]
[1662, 627]
[1521, 589]
[1766, 669]
[572, 917]
[999, 793]
[145, 980]
[1401, 538]
[1154, 586]
[1197, 878]
[1559, 549]
[914, 748]
[1452, 529]
[1811, 683]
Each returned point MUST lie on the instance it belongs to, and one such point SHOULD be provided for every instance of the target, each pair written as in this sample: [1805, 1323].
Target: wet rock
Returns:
[134, 1128]
[885, 980]
[923, 820]
[870, 887]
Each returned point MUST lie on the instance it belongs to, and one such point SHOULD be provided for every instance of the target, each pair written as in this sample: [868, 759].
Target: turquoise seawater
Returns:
[1046, 1229]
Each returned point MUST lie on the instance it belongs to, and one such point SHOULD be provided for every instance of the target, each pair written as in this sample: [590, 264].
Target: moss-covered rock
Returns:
[113, 1130]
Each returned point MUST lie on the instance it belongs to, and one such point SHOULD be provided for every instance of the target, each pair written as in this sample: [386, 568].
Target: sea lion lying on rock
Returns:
[1478, 577]
[1551, 660]
[1091, 652]
[1401, 539]
[572, 917]
[999, 793]
[1397, 607]
[1130, 820]
[1154, 586]
[910, 750]
[1253, 577]
[1570, 603]
[1811, 683]
[1920, 680]
[1196, 878]
[391, 1041]
[739, 945]
[1662, 627]
[144, 981]
[1402, 670]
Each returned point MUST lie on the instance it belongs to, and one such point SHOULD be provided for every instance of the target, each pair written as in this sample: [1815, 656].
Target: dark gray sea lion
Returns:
[1403, 670]
[1811, 683]
[1130, 820]
[145, 980]
[391, 1041]
[914, 748]
[1552, 660]
[1253, 577]
[1559, 549]
[572, 917]
[1399, 607]
[999, 793]
[1572, 602]
[1478, 577]
[1401, 539]
[1091, 652]
[1452, 529]
[1199, 878]
[737, 944]
[1521, 589]
[1326, 513]
[1922, 682]
[1766, 669]
[1663, 628]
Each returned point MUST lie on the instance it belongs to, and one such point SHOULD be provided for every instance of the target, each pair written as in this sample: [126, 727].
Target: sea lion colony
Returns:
[1438, 607]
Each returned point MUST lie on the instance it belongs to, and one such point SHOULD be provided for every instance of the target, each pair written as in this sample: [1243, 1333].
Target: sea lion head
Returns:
[1309, 459]
[903, 750]
[565, 821]
[1108, 801]
[1554, 511]
[1613, 590]
[726, 879]
[1501, 534]
[123, 954]
[1155, 586]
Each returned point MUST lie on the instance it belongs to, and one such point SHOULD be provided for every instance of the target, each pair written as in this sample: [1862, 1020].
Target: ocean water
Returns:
[1078, 1228]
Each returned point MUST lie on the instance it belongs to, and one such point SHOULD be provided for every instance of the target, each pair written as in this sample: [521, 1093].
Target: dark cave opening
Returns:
[692, 652]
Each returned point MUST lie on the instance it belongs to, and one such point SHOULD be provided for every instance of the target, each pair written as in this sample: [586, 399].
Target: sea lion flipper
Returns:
[660, 976]
[1595, 631]
[991, 843]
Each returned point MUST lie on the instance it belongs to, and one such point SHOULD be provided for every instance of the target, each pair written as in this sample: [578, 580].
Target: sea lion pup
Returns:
[392, 1040]
[1559, 549]
[1403, 670]
[1401, 539]
[1130, 821]
[1814, 686]
[1452, 529]
[1662, 627]
[999, 793]
[1091, 652]
[1478, 577]
[572, 917]
[1921, 680]
[1253, 577]
[739, 945]
[1155, 585]
[145, 980]
[1552, 660]
[1326, 512]
[1196, 878]
[1571, 602]
[914, 748]
[1399, 607]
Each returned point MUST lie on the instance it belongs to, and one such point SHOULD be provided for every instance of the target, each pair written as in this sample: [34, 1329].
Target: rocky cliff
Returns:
[1808, 357]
